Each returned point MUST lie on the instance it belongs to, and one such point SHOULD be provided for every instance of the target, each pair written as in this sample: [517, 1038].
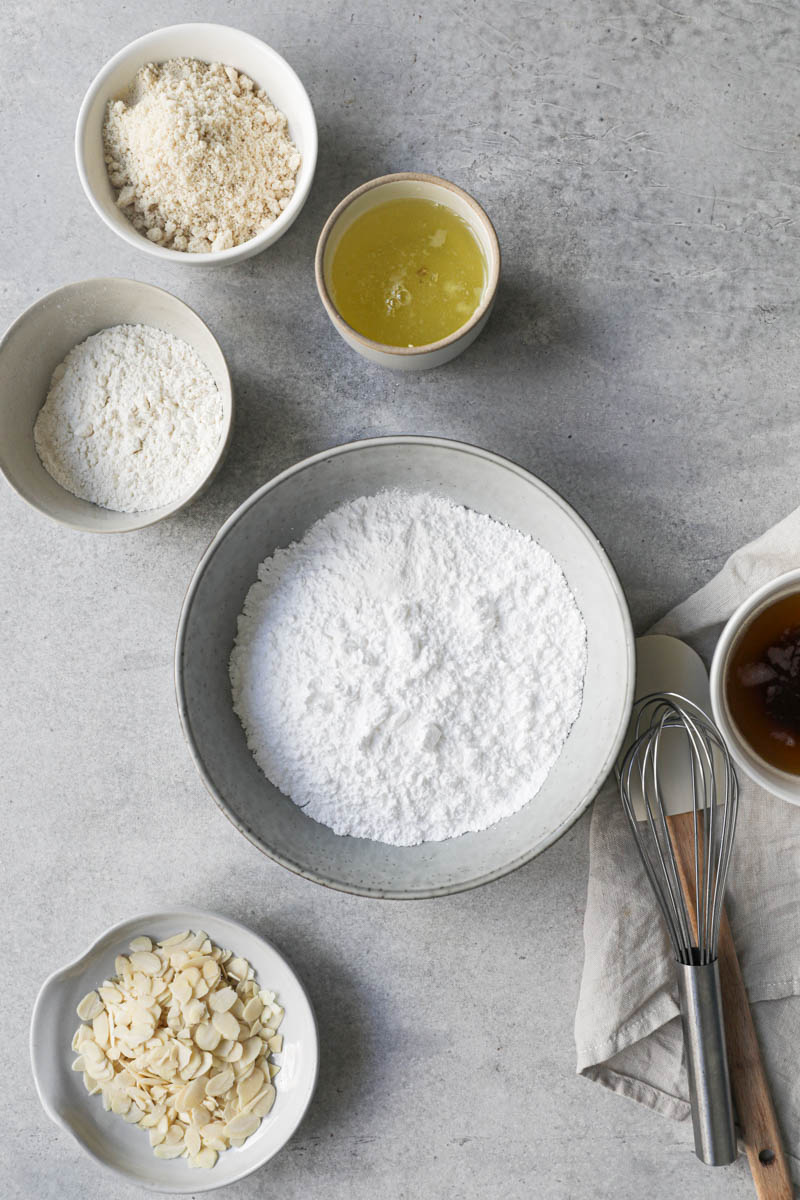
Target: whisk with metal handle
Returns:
[680, 793]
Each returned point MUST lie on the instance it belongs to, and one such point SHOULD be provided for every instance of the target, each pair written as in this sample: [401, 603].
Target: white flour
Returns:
[132, 420]
[410, 670]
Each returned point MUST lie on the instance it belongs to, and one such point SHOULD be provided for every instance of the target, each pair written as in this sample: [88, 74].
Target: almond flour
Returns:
[199, 157]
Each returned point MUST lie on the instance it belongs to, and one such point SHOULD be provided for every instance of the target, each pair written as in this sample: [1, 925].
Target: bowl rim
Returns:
[779, 783]
[196, 1185]
[227, 403]
[493, 267]
[423, 893]
[214, 257]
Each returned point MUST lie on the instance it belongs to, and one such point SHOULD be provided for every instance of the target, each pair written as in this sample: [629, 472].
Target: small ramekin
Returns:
[779, 783]
[393, 187]
[40, 339]
[209, 43]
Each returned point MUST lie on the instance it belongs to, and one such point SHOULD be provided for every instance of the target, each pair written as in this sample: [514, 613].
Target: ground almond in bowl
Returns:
[199, 158]
[179, 1042]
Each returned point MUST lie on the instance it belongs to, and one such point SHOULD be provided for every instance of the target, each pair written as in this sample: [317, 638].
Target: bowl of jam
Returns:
[755, 686]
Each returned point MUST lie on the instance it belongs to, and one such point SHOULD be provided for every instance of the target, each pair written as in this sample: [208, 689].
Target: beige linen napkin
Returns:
[627, 1027]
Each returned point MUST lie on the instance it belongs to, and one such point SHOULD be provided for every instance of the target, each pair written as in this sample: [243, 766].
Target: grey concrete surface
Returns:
[642, 163]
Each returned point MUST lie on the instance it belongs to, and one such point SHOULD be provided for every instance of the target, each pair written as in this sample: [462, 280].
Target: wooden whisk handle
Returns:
[755, 1111]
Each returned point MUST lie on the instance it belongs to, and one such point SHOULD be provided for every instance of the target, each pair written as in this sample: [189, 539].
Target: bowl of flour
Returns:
[117, 405]
[404, 667]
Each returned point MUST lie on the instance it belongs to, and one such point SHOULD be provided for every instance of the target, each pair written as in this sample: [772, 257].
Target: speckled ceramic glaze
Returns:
[125, 1149]
[35, 345]
[281, 512]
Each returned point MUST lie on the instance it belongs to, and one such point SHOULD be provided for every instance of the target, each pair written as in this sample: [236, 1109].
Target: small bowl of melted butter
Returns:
[755, 686]
[407, 267]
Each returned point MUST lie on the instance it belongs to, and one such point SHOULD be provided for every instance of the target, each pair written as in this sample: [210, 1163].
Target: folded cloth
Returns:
[627, 1027]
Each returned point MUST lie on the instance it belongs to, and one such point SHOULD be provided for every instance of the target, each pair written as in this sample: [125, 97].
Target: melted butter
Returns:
[407, 273]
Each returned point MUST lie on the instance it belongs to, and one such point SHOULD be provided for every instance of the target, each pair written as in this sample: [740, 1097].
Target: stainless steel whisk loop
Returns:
[715, 802]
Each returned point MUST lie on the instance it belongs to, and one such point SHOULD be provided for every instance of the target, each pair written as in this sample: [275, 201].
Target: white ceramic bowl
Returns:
[210, 43]
[780, 783]
[281, 512]
[125, 1148]
[395, 187]
[34, 346]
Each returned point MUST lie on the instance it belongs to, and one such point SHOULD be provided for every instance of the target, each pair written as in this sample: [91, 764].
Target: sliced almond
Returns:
[220, 1001]
[194, 1011]
[211, 971]
[263, 1103]
[219, 1084]
[166, 1150]
[251, 1050]
[252, 1010]
[207, 1036]
[191, 1096]
[243, 1126]
[100, 1028]
[226, 1025]
[250, 1087]
[175, 940]
[90, 1006]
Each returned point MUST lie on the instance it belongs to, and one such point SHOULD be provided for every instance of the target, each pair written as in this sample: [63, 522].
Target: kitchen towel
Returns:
[627, 1027]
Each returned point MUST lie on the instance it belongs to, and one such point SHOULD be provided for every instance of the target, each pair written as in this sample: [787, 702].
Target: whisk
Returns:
[680, 793]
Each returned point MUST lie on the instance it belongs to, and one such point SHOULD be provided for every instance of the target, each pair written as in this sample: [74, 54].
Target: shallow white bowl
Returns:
[780, 783]
[396, 187]
[124, 1148]
[34, 346]
[210, 43]
[280, 512]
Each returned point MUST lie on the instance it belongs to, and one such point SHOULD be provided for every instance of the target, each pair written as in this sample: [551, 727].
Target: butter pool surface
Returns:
[408, 272]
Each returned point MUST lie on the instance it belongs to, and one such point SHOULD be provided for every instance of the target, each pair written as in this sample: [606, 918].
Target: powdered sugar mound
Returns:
[132, 421]
[410, 670]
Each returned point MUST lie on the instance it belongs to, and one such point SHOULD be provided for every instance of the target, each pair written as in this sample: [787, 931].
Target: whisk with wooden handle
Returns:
[667, 665]
[670, 733]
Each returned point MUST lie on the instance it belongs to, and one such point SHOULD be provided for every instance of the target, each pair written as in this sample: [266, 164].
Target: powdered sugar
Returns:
[132, 421]
[410, 670]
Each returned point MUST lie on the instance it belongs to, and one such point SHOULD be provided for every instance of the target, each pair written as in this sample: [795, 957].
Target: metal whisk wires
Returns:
[714, 804]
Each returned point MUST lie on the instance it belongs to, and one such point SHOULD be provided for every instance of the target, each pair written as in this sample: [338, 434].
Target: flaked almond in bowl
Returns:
[177, 1061]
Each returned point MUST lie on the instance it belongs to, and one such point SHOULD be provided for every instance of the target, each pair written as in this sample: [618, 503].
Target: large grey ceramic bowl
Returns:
[280, 512]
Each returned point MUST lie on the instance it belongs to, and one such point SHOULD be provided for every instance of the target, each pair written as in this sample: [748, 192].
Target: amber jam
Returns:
[762, 684]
